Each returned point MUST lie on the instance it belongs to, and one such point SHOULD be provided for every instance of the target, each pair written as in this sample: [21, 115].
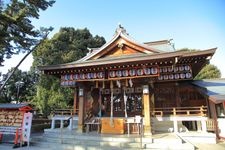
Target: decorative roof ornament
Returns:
[90, 50]
[120, 29]
[120, 45]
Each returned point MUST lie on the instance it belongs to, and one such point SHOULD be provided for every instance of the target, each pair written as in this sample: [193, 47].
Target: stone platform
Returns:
[73, 140]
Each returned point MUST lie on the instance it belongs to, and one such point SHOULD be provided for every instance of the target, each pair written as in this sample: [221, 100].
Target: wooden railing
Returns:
[65, 112]
[210, 124]
[180, 111]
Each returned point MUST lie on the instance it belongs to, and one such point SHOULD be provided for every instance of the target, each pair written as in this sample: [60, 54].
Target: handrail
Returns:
[65, 112]
[178, 111]
[181, 107]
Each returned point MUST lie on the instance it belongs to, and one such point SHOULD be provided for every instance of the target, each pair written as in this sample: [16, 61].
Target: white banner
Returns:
[26, 128]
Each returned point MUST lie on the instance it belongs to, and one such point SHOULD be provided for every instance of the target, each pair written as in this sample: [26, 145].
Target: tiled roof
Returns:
[120, 32]
[163, 45]
[214, 88]
[127, 58]
[156, 50]
[11, 106]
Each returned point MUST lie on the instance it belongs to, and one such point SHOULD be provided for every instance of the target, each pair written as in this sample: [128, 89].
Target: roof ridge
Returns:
[159, 41]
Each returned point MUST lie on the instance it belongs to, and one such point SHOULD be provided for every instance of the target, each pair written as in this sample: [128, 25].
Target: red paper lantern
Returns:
[140, 72]
[112, 74]
[125, 73]
[154, 70]
[132, 72]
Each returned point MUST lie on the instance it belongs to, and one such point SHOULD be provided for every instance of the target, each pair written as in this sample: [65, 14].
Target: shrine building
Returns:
[125, 82]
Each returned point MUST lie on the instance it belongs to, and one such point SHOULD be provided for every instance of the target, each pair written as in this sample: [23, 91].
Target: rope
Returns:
[111, 113]
[125, 103]
[100, 102]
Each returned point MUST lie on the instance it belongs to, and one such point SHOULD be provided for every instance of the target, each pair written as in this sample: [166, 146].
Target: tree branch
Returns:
[40, 42]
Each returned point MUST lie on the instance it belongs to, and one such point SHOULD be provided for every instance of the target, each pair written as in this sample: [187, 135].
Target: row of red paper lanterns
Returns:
[133, 72]
[175, 69]
[81, 76]
[176, 76]
[112, 74]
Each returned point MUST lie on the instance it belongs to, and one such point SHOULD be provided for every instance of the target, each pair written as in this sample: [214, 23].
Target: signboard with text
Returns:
[26, 127]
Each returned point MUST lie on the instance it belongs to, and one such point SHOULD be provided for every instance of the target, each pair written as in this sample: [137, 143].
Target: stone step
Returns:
[98, 139]
[102, 145]
[184, 146]
[167, 139]
[89, 142]
[87, 146]
[72, 140]
[195, 137]
[104, 141]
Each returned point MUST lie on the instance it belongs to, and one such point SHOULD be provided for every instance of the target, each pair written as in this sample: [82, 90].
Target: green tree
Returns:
[26, 91]
[50, 95]
[16, 30]
[65, 46]
[209, 72]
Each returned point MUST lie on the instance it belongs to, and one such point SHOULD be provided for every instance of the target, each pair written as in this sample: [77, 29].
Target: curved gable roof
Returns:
[120, 33]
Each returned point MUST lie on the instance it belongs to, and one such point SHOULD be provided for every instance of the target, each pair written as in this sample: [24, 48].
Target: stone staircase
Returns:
[199, 137]
[65, 139]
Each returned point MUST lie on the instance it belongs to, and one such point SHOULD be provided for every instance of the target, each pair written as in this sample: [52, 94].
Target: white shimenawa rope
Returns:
[100, 103]
[125, 103]
[111, 113]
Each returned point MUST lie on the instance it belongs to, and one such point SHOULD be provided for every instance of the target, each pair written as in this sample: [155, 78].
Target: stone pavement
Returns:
[219, 146]
[4, 146]
[203, 146]
[200, 146]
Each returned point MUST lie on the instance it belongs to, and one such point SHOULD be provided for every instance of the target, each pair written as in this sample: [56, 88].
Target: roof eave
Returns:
[120, 60]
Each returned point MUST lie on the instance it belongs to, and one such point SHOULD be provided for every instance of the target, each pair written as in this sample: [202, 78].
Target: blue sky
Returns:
[198, 24]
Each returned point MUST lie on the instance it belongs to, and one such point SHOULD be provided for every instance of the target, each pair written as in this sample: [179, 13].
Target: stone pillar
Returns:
[81, 109]
[70, 126]
[147, 116]
[204, 128]
[61, 124]
[198, 126]
[194, 125]
[175, 126]
[53, 123]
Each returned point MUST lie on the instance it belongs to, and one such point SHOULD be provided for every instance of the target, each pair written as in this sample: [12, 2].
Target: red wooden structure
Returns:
[11, 119]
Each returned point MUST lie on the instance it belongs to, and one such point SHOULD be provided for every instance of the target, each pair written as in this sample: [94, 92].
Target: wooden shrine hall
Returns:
[124, 83]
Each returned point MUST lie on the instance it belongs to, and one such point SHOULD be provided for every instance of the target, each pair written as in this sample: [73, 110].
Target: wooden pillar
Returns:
[75, 100]
[208, 107]
[81, 96]
[177, 92]
[147, 106]
[214, 116]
